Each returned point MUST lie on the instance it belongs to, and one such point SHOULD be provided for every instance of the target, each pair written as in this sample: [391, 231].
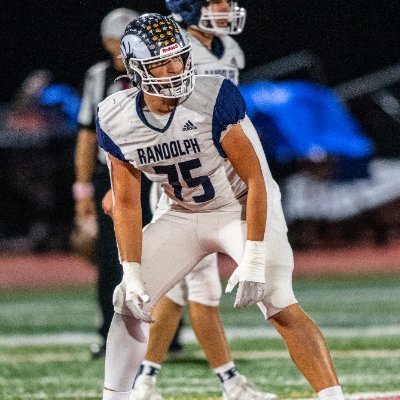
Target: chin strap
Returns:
[121, 77]
[118, 78]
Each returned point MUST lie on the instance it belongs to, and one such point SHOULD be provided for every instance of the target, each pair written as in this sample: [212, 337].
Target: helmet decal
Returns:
[156, 32]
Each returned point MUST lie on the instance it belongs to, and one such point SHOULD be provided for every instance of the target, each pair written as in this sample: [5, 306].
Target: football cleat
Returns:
[243, 391]
[145, 389]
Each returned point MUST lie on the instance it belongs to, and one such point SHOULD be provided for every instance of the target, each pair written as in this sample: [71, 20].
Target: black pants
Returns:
[109, 268]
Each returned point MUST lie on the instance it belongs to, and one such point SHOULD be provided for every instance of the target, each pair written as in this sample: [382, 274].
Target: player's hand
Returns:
[107, 204]
[136, 293]
[250, 274]
[85, 208]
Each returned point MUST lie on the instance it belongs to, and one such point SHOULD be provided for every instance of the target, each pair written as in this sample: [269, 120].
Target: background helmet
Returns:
[154, 38]
[115, 22]
[197, 13]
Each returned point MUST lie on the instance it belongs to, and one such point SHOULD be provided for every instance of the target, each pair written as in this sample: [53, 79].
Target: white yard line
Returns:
[44, 357]
[76, 338]
[67, 338]
[257, 355]
[76, 395]
[352, 332]
[48, 356]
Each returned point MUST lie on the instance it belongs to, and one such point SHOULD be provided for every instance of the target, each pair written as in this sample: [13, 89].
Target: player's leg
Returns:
[176, 345]
[170, 251]
[306, 346]
[204, 294]
[172, 304]
[167, 314]
[303, 338]
[126, 343]
[206, 287]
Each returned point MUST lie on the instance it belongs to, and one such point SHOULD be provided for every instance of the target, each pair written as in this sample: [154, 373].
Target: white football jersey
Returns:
[228, 65]
[185, 156]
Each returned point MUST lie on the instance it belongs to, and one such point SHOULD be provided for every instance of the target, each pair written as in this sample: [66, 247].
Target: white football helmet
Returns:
[153, 38]
[198, 13]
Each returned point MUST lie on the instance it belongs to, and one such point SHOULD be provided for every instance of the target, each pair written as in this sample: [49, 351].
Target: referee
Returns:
[92, 176]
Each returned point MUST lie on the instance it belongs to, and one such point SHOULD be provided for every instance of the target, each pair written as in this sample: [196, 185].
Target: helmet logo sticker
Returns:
[169, 49]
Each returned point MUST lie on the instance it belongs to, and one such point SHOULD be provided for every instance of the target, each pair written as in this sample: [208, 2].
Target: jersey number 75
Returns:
[185, 167]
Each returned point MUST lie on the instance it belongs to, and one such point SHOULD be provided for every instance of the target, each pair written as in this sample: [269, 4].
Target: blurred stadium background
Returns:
[347, 250]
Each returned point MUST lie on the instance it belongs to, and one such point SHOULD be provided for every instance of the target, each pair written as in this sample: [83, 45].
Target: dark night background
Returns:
[352, 37]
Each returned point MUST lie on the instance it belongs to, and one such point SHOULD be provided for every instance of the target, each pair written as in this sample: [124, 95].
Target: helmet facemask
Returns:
[168, 87]
[213, 22]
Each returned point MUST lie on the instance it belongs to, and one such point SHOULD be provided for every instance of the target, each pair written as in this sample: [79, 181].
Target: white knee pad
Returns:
[279, 290]
[282, 298]
[278, 301]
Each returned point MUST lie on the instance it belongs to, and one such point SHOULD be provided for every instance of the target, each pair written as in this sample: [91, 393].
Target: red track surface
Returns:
[352, 261]
[42, 270]
[62, 269]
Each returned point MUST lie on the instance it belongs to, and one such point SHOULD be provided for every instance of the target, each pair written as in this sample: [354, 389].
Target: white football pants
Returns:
[177, 241]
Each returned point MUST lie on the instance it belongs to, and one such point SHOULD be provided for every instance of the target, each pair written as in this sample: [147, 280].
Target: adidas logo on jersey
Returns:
[189, 126]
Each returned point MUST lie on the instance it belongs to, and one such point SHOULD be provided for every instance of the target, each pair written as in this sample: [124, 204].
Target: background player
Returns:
[204, 21]
[219, 203]
[92, 177]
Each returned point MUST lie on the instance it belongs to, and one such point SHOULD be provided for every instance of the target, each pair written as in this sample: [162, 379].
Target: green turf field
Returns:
[361, 318]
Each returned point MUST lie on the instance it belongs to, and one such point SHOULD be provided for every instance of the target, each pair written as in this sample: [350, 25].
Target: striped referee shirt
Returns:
[99, 83]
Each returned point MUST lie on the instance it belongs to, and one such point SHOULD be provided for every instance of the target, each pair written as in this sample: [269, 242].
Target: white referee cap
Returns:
[115, 22]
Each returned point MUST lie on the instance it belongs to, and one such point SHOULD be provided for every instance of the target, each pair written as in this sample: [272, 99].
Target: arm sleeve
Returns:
[229, 109]
[106, 143]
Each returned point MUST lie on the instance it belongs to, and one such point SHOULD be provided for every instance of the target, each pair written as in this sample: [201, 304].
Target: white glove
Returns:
[136, 293]
[250, 274]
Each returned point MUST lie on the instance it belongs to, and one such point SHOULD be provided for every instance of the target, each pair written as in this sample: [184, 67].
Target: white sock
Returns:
[110, 395]
[225, 374]
[149, 368]
[125, 350]
[331, 393]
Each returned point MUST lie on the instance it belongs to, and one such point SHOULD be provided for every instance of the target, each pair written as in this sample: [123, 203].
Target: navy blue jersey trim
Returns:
[217, 47]
[106, 143]
[229, 109]
[142, 117]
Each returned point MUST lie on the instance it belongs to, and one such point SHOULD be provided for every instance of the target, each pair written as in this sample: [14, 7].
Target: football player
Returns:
[220, 201]
[207, 24]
